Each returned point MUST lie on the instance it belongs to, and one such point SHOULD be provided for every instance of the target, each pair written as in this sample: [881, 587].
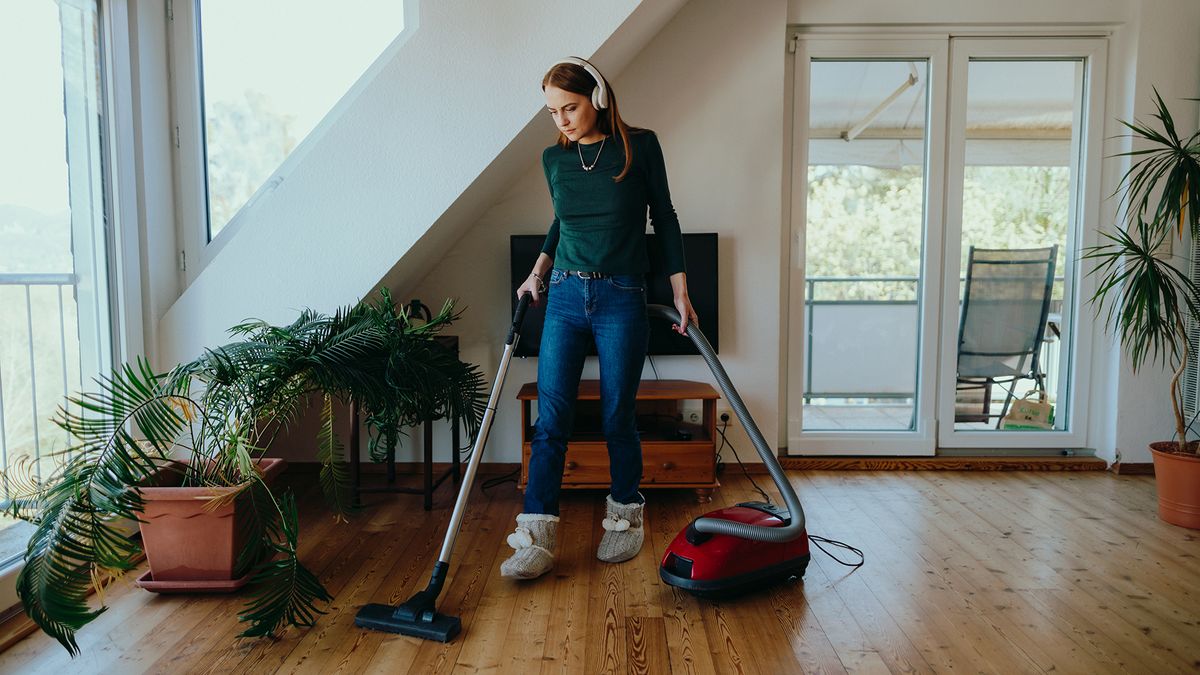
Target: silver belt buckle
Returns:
[590, 275]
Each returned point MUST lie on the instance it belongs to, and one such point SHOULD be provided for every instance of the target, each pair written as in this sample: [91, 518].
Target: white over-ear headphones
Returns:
[599, 92]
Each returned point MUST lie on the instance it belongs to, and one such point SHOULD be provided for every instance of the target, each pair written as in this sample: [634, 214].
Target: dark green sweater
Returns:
[598, 223]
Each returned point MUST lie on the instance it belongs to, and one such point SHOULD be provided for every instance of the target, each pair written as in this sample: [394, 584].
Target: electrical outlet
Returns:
[690, 412]
[725, 416]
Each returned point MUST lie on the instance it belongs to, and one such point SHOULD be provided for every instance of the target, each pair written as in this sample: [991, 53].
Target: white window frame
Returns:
[187, 138]
[1084, 208]
[195, 251]
[1050, 40]
[126, 299]
[121, 222]
[921, 440]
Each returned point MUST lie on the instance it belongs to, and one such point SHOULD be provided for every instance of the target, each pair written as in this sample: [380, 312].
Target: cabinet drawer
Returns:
[677, 463]
[586, 463]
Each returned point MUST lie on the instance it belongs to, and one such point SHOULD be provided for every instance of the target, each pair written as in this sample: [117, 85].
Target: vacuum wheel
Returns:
[799, 571]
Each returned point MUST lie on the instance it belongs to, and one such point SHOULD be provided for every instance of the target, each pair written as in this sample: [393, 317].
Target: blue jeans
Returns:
[613, 311]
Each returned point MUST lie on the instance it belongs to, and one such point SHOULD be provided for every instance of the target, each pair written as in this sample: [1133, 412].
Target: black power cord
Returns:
[833, 542]
[815, 539]
[653, 367]
[725, 442]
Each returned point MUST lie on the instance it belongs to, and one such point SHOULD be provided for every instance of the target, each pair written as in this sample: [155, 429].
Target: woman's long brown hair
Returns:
[573, 78]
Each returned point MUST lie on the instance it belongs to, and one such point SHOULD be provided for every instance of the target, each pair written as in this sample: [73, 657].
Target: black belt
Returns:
[588, 275]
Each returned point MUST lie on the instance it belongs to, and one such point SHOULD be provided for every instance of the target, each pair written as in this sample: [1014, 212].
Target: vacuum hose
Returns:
[793, 529]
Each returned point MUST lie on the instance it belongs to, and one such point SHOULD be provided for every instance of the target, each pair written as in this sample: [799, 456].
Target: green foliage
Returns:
[1149, 299]
[246, 392]
[1170, 166]
[867, 218]
[334, 476]
[289, 592]
[75, 546]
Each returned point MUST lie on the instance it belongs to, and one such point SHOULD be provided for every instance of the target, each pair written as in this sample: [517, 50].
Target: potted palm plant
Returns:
[1151, 297]
[203, 427]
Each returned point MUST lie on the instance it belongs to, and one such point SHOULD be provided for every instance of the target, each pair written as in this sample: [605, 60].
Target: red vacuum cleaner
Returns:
[737, 549]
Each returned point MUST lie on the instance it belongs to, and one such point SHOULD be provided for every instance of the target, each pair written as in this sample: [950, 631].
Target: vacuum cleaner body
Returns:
[721, 565]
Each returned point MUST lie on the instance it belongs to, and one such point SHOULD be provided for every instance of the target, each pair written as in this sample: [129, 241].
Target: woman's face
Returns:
[573, 113]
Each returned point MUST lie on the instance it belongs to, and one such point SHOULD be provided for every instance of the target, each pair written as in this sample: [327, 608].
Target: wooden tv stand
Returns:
[667, 460]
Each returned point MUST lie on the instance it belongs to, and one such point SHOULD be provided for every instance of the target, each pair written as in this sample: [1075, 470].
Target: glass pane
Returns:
[1018, 186]
[271, 70]
[54, 328]
[863, 240]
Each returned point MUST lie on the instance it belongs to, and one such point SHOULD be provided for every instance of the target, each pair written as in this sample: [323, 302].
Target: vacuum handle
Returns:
[788, 532]
[519, 317]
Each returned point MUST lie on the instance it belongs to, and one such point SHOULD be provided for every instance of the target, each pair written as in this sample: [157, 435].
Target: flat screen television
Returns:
[700, 252]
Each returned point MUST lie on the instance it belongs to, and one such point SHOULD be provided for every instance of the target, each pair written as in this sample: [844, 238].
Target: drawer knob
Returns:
[668, 465]
[572, 465]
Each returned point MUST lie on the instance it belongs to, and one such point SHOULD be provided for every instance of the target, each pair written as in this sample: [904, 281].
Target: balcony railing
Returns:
[32, 361]
[861, 341]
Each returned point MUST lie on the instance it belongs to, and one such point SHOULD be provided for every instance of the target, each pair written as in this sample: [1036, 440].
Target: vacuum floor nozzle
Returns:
[428, 625]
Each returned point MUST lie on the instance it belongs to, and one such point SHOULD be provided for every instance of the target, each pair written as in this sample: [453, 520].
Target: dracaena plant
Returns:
[1151, 298]
[220, 412]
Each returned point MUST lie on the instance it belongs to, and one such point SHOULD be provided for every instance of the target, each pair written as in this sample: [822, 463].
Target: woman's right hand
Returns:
[532, 287]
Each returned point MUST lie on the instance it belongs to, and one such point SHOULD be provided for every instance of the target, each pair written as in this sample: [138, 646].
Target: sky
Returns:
[33, 169]
[304, 54]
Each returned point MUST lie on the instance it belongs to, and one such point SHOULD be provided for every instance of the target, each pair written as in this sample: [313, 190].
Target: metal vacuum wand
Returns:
[418, 616]
[795, 527]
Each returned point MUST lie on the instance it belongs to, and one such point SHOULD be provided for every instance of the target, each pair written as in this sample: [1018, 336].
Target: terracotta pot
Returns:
[1178, 480]
[186, 542]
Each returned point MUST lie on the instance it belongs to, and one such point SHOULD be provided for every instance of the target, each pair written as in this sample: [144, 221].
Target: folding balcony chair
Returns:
[1003, 322]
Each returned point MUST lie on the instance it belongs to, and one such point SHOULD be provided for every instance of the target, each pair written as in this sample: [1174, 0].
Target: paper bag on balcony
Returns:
[1030, 413]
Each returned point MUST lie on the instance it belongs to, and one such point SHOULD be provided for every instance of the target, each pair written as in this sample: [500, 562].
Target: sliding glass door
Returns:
[1022, 114]
[55, 320]
[938, 191]
[864, 279]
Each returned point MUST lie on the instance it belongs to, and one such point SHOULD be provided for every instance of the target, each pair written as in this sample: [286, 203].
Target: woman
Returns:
[603, 175]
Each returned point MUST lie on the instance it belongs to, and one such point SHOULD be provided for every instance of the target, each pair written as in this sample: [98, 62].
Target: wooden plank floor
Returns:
[995, 572]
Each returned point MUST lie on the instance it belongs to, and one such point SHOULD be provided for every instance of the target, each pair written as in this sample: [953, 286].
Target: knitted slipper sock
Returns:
[623, 533]
[534, 544]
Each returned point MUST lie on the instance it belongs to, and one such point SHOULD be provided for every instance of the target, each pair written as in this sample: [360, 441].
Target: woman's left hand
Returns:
[683, 305]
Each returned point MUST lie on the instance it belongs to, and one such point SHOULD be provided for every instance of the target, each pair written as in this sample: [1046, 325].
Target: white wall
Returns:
[712, 85]
[415, 144]
[1165, 53]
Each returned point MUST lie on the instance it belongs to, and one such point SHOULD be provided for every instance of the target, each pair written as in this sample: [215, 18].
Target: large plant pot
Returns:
[1178, 480]
[190, 547]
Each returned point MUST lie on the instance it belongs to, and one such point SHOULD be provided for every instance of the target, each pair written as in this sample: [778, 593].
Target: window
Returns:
[55, 327]
[919, 174]
[259, 78]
